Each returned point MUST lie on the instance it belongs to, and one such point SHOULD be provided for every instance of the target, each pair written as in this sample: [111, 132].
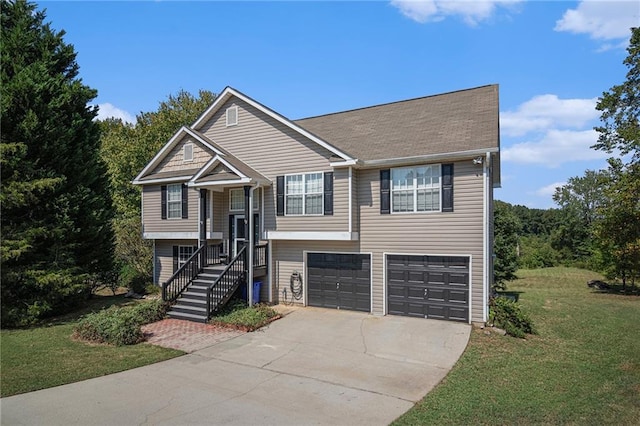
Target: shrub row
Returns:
[120, 326]
[508, 315]
[239, 316]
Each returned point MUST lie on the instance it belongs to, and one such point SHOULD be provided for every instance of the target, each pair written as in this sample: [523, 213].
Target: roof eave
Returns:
[390, 162]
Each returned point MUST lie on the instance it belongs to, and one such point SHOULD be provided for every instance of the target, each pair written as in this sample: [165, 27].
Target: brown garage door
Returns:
[428, 286]
[339, 281]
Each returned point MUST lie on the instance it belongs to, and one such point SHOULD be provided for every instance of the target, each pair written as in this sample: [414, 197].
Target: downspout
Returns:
[350, 200]
[486, 250]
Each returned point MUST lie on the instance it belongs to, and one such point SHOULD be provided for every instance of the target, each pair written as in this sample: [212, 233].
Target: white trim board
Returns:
[312, 236]
[180, 235]
[177, 137]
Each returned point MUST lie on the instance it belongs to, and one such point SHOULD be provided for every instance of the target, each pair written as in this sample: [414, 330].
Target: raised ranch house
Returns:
[385, 209]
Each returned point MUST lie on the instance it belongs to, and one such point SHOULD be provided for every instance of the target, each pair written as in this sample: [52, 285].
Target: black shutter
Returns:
[328, 193]
[163, 202]
[447, 187]
[185, 202]
[175, 258]
[385, 191]
[280, 195]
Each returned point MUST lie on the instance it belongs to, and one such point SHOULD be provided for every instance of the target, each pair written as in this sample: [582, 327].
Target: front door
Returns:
[238, 234]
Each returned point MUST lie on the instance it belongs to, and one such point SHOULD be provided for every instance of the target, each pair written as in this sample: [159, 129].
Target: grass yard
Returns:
[583, 367]
[46, 356]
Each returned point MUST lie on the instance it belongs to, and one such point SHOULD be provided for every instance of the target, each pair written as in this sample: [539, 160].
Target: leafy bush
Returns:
[536, 252]
[238, 315]
[120, 326]
[134, 280]
[508, 315]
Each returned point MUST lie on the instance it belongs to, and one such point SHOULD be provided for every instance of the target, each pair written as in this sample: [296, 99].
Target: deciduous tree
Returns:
[618, 231]
[505, 245]
[126, 149]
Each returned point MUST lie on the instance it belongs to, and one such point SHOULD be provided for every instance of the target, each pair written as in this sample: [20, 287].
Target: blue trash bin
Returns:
[256, 291]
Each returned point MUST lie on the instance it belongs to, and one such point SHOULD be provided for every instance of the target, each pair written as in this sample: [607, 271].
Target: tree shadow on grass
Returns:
[618, 288]
[96, 303]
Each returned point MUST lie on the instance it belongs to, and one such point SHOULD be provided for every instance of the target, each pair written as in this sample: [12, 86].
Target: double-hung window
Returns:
[174, 201]
[184, 253]
[236, 200]
[415, 189]
[304, 194]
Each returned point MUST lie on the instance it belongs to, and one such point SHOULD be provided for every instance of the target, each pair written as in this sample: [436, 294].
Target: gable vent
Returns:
[232, 116]
[188, 152]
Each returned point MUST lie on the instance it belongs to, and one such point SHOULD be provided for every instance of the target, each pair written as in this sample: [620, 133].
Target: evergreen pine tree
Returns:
[56, 207]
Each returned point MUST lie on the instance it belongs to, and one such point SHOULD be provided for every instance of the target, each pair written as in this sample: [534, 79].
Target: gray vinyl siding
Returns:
[288, 256]
[457, 233]
[174, 160]
[218, 211]
[152, 212]
[163, 258]
[282, 152]
[339, 221]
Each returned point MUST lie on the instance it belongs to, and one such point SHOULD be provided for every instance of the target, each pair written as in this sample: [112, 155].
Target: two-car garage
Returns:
[422, 286]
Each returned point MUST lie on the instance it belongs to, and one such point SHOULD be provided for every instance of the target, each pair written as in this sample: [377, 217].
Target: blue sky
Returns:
[551, 59]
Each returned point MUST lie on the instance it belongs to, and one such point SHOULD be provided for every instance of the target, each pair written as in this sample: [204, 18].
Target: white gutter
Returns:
[427, 158]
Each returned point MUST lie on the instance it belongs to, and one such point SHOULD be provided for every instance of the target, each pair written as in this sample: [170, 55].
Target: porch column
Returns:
[248, 240]
[202, 226]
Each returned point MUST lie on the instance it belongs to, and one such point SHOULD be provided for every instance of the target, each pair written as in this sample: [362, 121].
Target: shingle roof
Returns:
[170, 174]
[459, 121]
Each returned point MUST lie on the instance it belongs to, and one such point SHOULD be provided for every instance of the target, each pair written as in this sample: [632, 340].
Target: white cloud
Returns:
[549, 190]
[602, 20]
[547, 112]
[107, 110]
[555, 148]
[472, 12]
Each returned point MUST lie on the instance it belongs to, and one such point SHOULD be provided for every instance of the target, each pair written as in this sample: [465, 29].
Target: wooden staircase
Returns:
[199, 291]
[192, 303]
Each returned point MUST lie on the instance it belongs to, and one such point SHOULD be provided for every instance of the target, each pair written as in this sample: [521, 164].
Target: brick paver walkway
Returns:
[186, 336]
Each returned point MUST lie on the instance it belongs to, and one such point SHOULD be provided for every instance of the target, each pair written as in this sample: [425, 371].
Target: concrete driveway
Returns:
[315, 366]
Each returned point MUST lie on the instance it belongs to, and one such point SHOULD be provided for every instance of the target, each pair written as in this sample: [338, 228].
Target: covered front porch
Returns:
[229, 249]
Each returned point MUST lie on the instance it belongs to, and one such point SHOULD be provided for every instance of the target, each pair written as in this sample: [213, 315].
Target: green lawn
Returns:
[582, 368]
[45, 356]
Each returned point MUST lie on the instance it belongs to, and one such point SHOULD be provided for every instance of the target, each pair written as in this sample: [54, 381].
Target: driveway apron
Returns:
[314, 366]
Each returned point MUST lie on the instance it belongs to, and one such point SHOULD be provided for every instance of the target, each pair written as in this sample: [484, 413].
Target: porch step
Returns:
[192, 304]
[189, 309]
[188, 317]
